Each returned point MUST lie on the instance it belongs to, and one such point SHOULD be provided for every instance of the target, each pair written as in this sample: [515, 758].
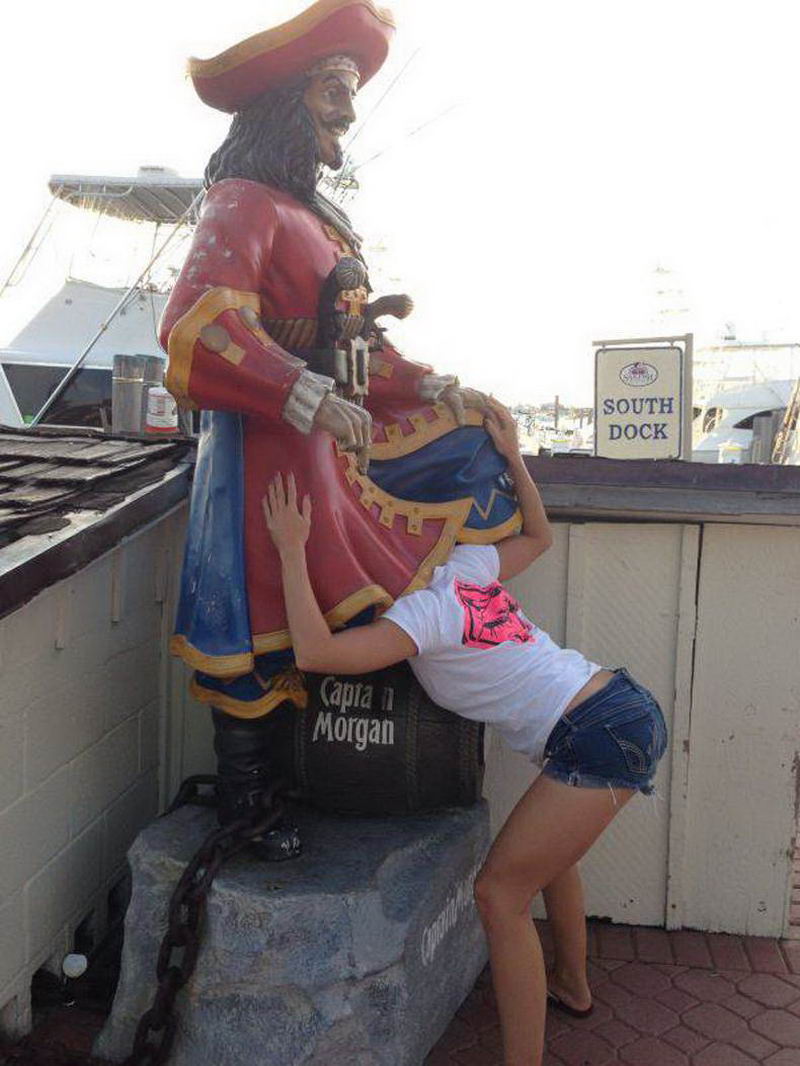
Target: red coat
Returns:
[252, 279]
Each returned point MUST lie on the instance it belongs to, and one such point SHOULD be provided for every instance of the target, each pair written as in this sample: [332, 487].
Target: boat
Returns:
[738, 424]
[58, 368]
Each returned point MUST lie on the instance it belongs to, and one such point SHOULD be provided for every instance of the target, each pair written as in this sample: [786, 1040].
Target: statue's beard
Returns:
[332, 134]
[273, 141]
[338, 159]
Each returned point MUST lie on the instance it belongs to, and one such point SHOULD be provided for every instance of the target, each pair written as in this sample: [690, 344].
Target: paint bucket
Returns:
[162, 411]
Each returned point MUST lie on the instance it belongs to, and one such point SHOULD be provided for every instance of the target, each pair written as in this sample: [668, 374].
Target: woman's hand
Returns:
[501, 426]
[288, 527]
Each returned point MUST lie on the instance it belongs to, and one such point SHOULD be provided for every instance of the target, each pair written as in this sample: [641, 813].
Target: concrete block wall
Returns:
[81, 737]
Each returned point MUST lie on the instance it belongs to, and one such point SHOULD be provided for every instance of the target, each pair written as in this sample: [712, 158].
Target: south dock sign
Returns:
[640, 406]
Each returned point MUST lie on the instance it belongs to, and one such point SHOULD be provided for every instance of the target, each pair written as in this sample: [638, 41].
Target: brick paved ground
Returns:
[661, 999]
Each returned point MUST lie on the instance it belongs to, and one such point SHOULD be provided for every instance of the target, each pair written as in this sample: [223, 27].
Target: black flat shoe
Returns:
[575, 1012]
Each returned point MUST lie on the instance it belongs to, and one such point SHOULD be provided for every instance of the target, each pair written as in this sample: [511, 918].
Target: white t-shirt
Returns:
[480, 656]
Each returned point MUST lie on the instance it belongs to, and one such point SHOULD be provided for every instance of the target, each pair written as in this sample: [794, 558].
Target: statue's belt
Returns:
[348, 366]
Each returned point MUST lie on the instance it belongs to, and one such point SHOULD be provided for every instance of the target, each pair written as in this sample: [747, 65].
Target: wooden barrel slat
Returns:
[377, 744]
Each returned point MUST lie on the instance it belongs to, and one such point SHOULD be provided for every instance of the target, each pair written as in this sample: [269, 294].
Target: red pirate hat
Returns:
[234, 78]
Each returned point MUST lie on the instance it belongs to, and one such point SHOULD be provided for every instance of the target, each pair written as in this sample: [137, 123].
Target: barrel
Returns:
[376, 744]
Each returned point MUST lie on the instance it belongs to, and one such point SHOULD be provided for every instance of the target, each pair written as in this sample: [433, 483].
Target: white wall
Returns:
[709, 619]
[613, 591]
[744, 781]
[80, 747]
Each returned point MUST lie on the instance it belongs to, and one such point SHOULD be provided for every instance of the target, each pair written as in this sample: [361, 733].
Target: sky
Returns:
[592, 170]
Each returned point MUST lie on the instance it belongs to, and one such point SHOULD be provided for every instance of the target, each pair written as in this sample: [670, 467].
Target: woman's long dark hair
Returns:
[271, 141]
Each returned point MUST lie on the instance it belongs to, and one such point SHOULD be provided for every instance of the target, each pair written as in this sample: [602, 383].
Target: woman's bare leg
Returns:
[563, 898]
[547, 832]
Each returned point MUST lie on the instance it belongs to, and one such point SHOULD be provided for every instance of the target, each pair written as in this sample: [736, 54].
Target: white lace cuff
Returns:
[305, 396]
[432, 385]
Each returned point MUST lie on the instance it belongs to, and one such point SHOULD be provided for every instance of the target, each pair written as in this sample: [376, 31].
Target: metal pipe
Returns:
[71, 196]
[28, 246]
[73, 370]
[688, 396]
[640, 340]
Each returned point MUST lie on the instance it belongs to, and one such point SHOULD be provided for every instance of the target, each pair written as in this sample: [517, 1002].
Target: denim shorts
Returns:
[613, 738]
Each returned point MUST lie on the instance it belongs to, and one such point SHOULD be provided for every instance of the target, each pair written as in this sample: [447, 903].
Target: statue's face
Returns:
[329, 101]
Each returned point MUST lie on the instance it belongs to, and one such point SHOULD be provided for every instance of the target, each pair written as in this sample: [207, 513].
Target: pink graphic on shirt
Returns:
[491, 616]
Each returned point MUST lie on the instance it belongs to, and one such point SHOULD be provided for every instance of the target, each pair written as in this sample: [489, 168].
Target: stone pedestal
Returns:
[358, 953]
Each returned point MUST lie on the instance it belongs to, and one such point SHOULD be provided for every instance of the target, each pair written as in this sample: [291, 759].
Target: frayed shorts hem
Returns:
[579, 780]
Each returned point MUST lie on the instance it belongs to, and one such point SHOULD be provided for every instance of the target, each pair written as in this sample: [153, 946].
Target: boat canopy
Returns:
[59, 331]
[756, 396]
[156, 194]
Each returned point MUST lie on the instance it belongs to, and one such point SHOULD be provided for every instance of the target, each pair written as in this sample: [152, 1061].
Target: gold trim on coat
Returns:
[336, 617]
[255, 709]
[423, 432]
[508, 528]
[217, 665]
[186, 332]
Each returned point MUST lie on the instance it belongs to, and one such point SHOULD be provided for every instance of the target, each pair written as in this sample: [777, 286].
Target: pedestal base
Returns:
[358, 952]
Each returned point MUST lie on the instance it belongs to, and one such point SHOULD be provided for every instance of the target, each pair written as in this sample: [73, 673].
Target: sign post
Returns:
[643, 390]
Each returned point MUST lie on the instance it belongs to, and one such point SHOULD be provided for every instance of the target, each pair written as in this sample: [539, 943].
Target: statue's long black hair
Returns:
[271, 141]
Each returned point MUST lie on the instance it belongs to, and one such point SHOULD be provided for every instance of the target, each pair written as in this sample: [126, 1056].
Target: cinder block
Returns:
[133, 810]
[97, 912]
[31, 628]
[50, 671]
[103, 772]
[12, 941]
[63, 887]
[130, 678]
[141, 560]
[16, 1017]
[90, 600]
[61, 724]
[33, 830]
[140, 622]
[94, 685]
[148, 735]
[12, 746]
[59, 946]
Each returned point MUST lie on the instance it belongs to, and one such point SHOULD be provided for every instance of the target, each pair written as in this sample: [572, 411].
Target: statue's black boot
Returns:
[245, 779]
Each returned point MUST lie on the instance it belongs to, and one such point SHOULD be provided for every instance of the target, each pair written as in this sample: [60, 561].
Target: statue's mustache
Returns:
[339, 126]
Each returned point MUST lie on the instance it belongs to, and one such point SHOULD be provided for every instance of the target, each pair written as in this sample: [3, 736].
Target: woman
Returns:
[598, 733]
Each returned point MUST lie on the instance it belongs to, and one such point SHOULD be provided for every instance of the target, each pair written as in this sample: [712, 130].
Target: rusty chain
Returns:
[180, 946]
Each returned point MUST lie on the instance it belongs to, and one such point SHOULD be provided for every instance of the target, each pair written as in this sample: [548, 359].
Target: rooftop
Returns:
[68, 495]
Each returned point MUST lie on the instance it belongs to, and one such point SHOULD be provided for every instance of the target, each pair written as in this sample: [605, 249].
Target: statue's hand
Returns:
[349, 424]
[398, 305]
[459, 399]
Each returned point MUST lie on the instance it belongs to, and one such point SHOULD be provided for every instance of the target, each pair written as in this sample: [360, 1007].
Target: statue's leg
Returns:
[246, 769]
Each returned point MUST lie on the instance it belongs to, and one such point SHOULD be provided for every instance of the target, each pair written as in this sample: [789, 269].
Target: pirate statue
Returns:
[273, 334]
